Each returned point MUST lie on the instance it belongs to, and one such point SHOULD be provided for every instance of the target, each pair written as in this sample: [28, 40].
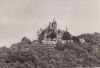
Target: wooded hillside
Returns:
[62, 56]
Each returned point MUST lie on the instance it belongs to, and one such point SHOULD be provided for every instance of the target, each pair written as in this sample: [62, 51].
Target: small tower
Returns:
[54, 24]
[38, 33]
[50, 25]
[54, 19]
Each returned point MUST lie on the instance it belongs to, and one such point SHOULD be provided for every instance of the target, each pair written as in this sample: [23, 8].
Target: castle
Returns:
[47, 38]
[51, 33]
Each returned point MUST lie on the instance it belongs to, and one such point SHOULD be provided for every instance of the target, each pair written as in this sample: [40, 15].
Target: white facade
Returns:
[49, 42]
[81, 40]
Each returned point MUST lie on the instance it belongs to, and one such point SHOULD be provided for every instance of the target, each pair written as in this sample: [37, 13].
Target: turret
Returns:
[50, 25]
[54, 24]
[39, 32]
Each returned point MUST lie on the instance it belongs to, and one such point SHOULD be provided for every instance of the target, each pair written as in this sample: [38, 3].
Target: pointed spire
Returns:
[54, 19]
[66, 29]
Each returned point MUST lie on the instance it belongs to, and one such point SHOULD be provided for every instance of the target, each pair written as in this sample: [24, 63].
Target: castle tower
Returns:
[38, 33]
[45, 36]
[50, 25]
[54, 24]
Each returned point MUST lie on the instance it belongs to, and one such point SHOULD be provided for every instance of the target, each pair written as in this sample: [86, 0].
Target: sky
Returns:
[20, 18]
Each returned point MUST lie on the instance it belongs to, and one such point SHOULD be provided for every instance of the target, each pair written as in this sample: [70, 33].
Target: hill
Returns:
[66, 55]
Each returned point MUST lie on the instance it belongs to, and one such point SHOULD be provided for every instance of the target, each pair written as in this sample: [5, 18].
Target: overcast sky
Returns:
[20, 18]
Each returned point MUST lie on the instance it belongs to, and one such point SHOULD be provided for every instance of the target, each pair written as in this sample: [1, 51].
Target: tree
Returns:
[75, 39]
[59, 46]
[66, 36]
[25, 39]
[92, 39]
[41, 36]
